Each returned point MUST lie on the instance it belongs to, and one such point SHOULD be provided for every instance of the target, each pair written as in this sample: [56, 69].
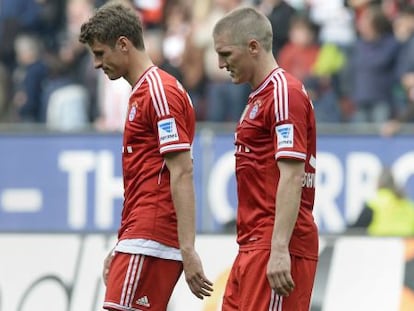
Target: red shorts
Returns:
[139, 282]
[248, 289]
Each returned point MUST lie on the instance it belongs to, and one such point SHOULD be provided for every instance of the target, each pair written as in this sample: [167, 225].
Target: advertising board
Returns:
[73, 183]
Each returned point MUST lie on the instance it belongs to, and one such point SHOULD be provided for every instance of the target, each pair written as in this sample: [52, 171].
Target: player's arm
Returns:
[288, 198]
[180, 166]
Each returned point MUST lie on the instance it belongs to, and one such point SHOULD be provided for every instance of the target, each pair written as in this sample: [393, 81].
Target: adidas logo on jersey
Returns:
[143, 301]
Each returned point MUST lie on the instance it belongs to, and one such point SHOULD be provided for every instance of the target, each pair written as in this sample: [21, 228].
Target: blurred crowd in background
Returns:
[356, 58]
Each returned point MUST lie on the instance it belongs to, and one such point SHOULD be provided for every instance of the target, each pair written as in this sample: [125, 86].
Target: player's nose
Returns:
[222, 63]
[97, 63]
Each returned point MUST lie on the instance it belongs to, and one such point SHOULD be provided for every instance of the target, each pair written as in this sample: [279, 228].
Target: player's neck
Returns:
[263, 70]
[139, 64]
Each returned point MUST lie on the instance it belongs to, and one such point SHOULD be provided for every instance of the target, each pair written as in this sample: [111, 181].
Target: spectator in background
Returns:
[4, 93]
[324, 85]
[28, 79]
[193, 62]
[16, 16]
[299, 54]
[372, 65]
[359, 6]
[280, 13]
[192, 66]
[151, 12]
[336, 36]
[316, 66]
[52, 14]
[176, 29]
[41, 18]
[335, 22]
[70, 99]
[389, 212]
[404, 32]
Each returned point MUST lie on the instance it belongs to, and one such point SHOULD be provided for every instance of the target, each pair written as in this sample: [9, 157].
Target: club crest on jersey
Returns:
[167, 131]
[284, 135]
[132, 113]
[254, 110]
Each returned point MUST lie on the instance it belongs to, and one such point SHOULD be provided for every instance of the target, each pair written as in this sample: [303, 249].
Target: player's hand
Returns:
[278, 272]
[199, 285]
[107, 264]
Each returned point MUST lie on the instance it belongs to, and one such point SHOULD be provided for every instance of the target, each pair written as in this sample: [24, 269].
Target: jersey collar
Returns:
[142, 78]
[265, 82]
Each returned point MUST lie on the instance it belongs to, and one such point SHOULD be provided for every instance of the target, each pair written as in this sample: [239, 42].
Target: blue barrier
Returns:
[73, 183]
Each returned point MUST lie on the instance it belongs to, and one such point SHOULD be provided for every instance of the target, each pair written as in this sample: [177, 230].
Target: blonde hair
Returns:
[244, 24]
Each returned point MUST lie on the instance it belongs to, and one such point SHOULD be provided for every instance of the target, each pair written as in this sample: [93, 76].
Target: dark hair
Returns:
[386, 180]
[381, 23]
[407, 10]
[304, 20]
[110, 22]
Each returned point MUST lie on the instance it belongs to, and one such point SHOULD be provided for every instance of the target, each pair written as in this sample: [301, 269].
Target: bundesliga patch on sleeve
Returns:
[284, 136]
[167, 131]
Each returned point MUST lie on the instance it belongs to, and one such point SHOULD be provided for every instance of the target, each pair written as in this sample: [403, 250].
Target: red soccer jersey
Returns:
[160, 119]
[278, 122]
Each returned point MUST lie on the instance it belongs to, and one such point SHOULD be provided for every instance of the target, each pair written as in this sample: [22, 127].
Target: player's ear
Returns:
[253, 46]
[122, 43]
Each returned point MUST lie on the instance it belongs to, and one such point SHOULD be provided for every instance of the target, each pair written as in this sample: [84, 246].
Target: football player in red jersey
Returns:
[157, 232]
[275, 172]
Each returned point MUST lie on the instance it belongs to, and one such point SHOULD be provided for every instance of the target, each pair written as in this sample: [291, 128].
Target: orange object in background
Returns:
[151, 12]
